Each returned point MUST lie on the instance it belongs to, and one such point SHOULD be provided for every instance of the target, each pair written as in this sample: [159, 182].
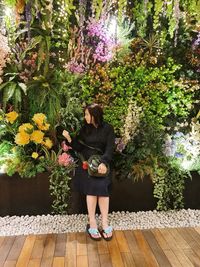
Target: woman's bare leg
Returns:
[104, 207]
[91, 206]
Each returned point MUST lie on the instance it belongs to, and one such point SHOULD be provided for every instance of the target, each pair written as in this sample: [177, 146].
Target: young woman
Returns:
[94, 134]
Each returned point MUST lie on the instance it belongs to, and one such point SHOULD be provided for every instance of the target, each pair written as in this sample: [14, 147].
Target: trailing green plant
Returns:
[141, 12]
[121, 10]
[169, 183]
[60, 190]
[97, 7]
[61, 166]
[158, 4]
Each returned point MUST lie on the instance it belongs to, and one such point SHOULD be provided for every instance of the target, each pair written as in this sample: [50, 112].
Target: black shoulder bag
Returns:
[94, 161]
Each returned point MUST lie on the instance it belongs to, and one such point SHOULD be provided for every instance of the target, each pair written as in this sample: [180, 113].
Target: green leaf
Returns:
[23, 87]
[17, 97]
[3, 85]
[41, 54]
[36, 40]
[8, 92]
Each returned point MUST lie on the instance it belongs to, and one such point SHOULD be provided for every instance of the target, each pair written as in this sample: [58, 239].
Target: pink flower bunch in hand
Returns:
[65, 147]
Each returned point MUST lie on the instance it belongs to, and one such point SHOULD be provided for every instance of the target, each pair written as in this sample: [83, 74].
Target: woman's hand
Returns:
[67, 136]
[102, 168]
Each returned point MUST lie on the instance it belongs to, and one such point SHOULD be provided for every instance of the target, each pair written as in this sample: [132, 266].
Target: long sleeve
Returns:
[110, 144]
[76, 145]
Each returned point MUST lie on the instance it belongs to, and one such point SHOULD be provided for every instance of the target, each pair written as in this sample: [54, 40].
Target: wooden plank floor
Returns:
[142, 248]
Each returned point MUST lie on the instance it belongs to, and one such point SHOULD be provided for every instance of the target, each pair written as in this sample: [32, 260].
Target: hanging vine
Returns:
[97, 6]
[121, 9]
[158, 4]
[141, 11]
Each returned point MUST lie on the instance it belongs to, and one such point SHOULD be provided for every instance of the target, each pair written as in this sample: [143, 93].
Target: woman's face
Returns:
[88, 117]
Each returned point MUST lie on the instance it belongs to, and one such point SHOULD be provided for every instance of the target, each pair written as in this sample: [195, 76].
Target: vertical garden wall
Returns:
[139, 59]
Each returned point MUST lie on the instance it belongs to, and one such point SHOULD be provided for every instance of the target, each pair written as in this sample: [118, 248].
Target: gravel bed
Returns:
[43, 224]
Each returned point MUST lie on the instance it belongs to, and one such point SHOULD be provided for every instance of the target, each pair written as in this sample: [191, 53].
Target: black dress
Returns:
[103, 138]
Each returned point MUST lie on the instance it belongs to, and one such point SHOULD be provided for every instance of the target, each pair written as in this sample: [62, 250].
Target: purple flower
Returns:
[179, 155]
[103, 44]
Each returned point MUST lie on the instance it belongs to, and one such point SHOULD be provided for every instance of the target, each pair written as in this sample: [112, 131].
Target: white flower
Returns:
[131, 122]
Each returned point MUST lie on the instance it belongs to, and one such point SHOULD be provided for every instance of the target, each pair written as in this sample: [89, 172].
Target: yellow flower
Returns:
[11, 116]
[47, 142]
[34, 155]
[39, 118]
[22, 139]
[44, 126]
[37, 136]
[26, 127]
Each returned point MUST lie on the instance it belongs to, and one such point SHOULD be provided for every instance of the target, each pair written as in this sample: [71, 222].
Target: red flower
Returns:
[85, 165]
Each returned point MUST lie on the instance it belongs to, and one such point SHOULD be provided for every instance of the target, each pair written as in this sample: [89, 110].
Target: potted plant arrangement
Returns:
[27, 151]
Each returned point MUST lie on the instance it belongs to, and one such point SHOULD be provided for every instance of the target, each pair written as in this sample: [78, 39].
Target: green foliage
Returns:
[71, 107]
[97, 6]
[141, 11]
[10, 2]
[13, 91]
[124, 38]
[169, 181]
[140, 153]
[154, 89]
[143, 158]
[19, 161]
[43, 94]
[121, 9]
[192, 7]
[157, 9]
[5, 148]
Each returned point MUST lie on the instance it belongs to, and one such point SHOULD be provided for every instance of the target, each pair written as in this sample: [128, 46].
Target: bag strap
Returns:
[95, 148]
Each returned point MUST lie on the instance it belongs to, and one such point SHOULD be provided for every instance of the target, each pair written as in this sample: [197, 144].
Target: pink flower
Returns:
[75, 67]
[65, 147]
[64, 159]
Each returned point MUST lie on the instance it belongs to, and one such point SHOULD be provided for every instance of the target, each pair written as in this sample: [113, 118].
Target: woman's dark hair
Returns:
[96, 112]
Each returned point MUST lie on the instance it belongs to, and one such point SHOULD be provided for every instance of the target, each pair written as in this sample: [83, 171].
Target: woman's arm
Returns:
[67, 136]
[110, 144]
[73, 142]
